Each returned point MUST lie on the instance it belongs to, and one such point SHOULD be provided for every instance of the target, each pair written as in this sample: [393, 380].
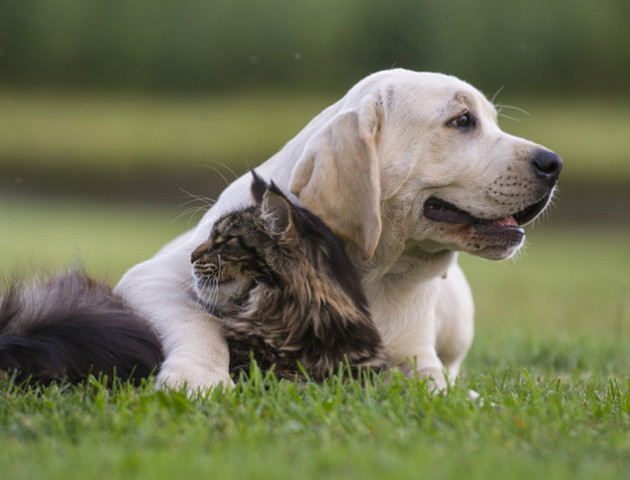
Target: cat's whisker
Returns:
[196, 198]
[195, 205]
[226, 167]
[185, 287]
[209, 292]
[220, 173]
[213, 296]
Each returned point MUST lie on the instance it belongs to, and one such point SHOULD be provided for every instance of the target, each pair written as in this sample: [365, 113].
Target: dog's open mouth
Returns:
[441, 211]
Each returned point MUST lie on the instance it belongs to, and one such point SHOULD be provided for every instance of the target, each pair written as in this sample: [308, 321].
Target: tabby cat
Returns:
[285, 291]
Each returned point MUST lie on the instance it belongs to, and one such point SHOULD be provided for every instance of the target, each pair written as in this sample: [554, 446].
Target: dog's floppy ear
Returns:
[337, 176]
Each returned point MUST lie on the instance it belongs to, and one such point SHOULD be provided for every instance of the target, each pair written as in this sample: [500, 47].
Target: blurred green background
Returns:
[119, 120]
[561, 46]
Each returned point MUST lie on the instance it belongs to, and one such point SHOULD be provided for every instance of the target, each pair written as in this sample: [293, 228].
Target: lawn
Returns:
[527, 428]
[550, 360]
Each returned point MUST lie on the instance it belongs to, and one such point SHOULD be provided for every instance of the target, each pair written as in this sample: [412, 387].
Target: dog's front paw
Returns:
[436, 382]
[193, 377]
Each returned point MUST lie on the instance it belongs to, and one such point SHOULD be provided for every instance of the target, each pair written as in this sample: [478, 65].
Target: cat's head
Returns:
[274, 243]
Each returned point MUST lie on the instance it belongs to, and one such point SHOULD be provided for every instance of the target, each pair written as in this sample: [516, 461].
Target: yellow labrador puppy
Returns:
[408, 168]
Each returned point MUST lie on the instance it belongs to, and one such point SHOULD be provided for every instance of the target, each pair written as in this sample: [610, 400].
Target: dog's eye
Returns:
[463, 121]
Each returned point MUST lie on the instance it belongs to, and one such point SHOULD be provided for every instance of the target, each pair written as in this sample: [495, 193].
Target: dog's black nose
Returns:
[547, 165]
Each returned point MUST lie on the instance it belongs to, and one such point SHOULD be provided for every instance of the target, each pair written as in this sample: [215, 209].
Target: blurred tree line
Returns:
[557, 46]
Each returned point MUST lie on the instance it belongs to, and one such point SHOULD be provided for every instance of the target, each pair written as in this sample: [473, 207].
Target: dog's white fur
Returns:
[366, 165]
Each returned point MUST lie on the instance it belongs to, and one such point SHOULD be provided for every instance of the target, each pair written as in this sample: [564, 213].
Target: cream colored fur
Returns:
[366, 165]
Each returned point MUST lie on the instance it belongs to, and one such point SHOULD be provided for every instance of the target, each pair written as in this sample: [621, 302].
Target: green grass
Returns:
[526, 428]
[125, 132]
[550, 359]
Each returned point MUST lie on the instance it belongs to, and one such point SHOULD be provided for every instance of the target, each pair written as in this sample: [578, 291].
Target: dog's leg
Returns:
[414, 352]
[454, 321]
[196, 354]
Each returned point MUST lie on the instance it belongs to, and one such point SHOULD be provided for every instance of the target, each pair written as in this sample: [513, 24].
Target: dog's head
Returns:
[419, 157]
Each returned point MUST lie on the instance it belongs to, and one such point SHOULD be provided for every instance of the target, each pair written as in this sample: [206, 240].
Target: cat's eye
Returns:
[218, 238]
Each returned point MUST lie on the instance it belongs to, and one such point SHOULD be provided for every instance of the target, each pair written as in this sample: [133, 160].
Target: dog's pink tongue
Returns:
[500, 225]
[506, 222]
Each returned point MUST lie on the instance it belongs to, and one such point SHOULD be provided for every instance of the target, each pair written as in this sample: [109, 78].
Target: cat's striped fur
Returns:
[281, 283]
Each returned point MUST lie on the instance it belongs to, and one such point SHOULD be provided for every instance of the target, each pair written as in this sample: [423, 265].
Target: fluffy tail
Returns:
[71, 326]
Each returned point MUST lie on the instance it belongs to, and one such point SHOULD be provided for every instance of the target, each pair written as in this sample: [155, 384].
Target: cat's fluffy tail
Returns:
[70, 326]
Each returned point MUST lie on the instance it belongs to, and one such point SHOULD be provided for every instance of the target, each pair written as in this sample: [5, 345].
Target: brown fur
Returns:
[295, 297]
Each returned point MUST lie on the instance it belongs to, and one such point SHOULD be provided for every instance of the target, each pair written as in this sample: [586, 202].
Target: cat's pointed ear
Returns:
[277, 212]
[258, 187]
